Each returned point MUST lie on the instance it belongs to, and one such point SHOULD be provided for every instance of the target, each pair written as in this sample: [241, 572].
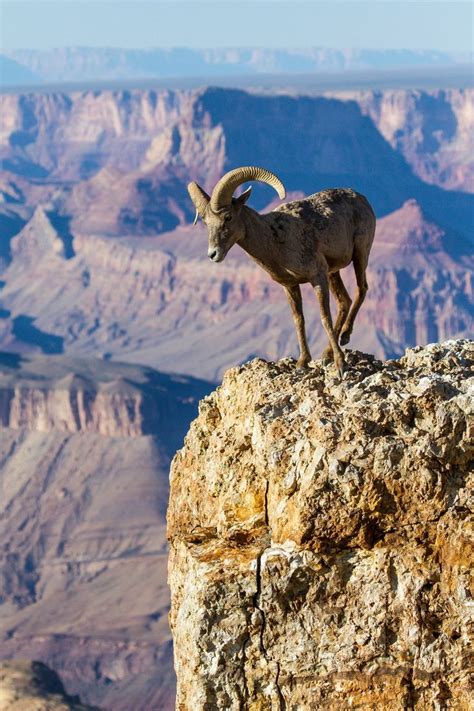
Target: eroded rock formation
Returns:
[97, 253]
[69, 395]
[320, 551]
[160, 300]
[31, 686]
[85, 447]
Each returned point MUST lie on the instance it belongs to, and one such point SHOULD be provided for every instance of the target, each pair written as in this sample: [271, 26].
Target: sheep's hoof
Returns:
[345, 338]
[341, 367]
[327, 356]
[303, 362]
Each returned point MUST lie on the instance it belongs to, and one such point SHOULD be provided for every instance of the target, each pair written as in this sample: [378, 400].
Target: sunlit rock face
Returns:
[320, 551]
[432, 130]
[118, 162]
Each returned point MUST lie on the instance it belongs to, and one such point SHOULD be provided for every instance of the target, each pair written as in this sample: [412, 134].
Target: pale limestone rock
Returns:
[320, 540]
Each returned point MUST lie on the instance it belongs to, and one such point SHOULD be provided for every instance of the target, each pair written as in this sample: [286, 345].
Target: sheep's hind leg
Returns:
[296, 303]
[360, 266]
[321, 288]
[344, 302]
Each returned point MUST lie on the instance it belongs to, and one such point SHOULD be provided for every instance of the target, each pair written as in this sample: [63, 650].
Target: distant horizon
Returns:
[89, 67]
[296, 48]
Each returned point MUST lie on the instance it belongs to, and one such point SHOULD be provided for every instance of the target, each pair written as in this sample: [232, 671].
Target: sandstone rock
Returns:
[31, 686]
[122, 159]
[320, 537]
[38, 238]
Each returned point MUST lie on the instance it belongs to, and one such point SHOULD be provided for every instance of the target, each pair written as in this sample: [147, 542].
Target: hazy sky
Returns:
[425, 24]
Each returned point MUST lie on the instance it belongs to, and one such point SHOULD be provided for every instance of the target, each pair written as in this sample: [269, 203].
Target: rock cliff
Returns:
[319, 529]
[85, 447]
[432, 130]
[31, 686]
[62, 394]
[118, 162]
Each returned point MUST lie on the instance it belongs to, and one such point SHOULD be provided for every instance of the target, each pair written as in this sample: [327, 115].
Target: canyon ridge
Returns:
[99, 256]
[114, 324]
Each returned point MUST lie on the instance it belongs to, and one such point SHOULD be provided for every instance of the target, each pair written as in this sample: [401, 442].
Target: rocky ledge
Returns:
[320, 551]
[32, 686]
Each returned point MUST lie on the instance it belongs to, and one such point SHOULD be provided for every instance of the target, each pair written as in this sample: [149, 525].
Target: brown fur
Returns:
[305, 241]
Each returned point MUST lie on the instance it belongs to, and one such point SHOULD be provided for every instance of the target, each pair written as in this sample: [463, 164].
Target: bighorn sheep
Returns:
[307, 240]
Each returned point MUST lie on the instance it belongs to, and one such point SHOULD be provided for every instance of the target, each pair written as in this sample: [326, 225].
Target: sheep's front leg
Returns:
[296, 303]
[321, 287]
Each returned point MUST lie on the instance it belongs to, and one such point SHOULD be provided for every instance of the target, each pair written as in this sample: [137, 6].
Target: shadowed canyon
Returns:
[98, 252]
[106, 294]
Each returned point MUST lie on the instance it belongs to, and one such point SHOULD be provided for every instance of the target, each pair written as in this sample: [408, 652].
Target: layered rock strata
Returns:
[85, 395]
[98, 255]
[320, 540]
[85, 448]
[160, 301]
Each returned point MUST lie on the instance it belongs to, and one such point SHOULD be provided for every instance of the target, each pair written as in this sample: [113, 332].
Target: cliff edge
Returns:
[320, 551]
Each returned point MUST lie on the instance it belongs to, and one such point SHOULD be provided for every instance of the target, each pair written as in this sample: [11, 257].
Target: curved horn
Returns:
[222, 193]
[199, 197]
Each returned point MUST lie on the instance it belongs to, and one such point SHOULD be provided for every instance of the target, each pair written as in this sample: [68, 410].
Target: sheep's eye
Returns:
[228, 218]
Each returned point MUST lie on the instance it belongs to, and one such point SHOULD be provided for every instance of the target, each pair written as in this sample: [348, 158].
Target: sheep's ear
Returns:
[242, 199]
[200, 199]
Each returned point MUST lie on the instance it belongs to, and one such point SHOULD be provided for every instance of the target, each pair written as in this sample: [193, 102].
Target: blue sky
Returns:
[376, 24]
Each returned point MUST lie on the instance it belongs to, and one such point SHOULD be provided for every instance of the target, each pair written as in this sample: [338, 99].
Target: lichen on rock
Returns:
[320, 541]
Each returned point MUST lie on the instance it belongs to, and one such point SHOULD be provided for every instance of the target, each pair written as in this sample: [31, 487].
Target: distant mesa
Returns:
[13, 73]
[74, 64]
[86, 447]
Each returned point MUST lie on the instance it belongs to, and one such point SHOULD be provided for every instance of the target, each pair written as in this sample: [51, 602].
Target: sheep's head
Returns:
[221, 212]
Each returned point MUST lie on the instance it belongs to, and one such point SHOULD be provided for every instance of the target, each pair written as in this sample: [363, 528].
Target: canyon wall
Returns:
[161, 302]
[97, 254]
[85, 447]
[73, 395]
[118, 162]
[97, 258]
[319, 530]
[432, 130]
